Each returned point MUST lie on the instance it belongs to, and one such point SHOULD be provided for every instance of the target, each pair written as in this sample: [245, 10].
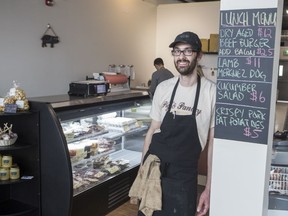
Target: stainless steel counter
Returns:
[58, 101]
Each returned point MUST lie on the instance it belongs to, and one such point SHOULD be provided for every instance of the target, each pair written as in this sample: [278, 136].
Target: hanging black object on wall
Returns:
[49, 39]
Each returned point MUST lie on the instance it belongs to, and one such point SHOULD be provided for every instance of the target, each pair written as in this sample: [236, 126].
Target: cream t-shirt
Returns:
[183, 104]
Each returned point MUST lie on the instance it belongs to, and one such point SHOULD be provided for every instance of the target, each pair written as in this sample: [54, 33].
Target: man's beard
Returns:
[186, 70]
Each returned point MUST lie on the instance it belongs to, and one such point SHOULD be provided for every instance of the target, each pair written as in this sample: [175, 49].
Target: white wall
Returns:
[173, 19]
[93, 34]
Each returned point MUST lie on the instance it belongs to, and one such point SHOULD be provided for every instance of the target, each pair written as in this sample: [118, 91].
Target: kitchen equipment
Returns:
[89, 88]
[281, 134]
[118, 82]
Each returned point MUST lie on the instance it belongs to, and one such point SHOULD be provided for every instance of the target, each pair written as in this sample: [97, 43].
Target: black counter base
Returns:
[104, 198]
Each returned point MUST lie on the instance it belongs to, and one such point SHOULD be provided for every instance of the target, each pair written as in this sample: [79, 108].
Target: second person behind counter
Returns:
[159, 75]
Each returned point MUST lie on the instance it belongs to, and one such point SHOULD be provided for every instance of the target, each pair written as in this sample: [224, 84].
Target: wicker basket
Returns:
[8, 142]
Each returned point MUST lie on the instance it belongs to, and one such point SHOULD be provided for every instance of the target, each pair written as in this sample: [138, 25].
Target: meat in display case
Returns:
[97, 147]
[90, 150]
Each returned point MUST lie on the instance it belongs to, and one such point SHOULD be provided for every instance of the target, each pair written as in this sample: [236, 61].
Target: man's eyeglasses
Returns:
[186, 52]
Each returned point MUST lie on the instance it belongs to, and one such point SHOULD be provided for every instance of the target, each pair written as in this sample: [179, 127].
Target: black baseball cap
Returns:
[189, 38]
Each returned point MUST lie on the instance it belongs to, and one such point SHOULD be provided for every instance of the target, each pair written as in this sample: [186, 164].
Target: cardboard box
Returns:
[214, 43]
[205, 45]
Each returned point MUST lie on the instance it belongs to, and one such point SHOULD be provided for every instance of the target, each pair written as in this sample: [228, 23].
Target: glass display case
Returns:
[103, 145]
[91, 150]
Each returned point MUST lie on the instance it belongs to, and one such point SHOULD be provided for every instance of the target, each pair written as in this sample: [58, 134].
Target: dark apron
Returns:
[179, 148]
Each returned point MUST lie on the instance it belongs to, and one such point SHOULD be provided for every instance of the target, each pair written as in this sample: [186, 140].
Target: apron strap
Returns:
[173, 94]
[196, 98]
[197, 95]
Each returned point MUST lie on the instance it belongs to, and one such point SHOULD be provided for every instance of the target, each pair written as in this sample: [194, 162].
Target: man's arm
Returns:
[155, 125]
[153, 84]
[204, 201]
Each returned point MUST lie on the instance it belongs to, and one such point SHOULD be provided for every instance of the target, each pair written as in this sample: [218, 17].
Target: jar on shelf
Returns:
[6, 161]
[14, 172]
[4, 173]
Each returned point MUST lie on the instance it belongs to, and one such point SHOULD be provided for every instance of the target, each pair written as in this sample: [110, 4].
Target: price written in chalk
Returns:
[251, 133]
[244, 78]
[257, 97]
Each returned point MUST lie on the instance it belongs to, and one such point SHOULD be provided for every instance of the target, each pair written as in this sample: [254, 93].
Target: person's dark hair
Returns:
[158, 61]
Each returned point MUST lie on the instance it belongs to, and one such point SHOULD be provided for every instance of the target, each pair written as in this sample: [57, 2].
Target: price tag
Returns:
[20, 104]
[27, 177]
[10, 108]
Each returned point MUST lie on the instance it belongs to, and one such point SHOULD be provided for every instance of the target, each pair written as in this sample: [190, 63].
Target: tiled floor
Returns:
[128, 209]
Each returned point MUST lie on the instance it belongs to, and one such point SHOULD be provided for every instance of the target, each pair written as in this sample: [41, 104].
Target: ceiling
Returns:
[178, 1]
[285, 8]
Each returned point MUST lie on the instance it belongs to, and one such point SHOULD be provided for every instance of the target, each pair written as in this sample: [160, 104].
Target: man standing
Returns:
[182, 112]
[159, 75]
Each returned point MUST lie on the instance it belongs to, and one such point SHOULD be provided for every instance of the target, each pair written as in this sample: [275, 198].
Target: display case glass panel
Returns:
[104, 142]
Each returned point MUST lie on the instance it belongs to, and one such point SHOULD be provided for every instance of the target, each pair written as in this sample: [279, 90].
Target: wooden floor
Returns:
[128, 209]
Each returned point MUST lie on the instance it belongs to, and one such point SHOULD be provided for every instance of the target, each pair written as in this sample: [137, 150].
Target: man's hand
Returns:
[204, 203]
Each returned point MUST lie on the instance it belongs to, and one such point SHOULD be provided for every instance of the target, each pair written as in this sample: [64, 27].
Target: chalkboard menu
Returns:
[245, 68]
